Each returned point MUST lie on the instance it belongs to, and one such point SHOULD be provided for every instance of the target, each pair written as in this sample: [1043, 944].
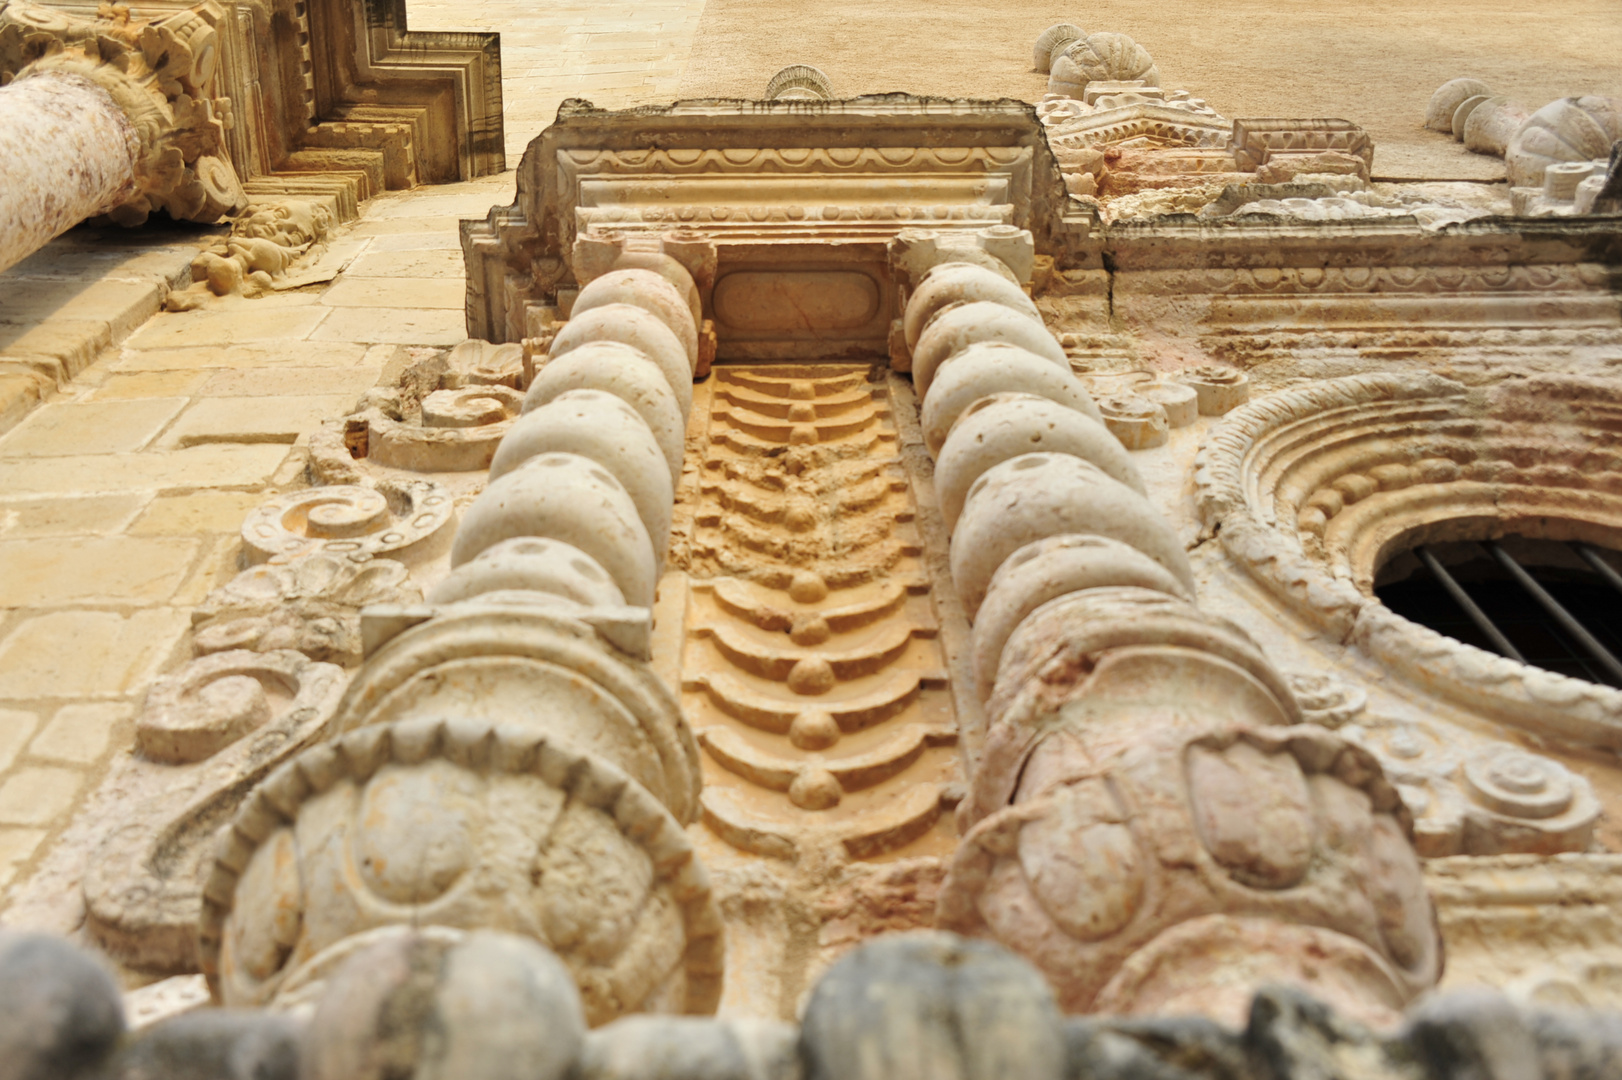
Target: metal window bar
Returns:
[1601, 567]
[1471, 608]
[1556, 611]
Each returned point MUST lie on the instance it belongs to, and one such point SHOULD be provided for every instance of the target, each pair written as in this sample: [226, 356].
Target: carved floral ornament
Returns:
[1312, 490]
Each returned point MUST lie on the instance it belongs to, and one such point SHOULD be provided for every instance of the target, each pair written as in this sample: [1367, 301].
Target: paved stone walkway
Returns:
[615, 53]
[122, 495]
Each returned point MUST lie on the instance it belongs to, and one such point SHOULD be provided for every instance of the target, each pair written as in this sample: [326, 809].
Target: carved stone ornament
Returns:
[544, 669]
[407, 521]
[1478, 798]
[1536, 462]
[798, 197]
[311, 604]
[464, 824]
[162, 74]
[1222, 824]
[813, 673]
[220, 724]
[1557, 157]
[258, 255]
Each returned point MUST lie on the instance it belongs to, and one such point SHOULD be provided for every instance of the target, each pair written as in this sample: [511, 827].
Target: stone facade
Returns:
[799, 548]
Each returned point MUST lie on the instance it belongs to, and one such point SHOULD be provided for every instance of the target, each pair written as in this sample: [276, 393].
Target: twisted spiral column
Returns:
[511, 763]
[1150, 822]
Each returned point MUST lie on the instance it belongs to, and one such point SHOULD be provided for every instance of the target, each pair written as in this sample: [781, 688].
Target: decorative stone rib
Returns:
[1111, 820]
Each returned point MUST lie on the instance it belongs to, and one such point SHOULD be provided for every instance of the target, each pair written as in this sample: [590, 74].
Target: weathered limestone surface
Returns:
[67, 152]
[1060, 632]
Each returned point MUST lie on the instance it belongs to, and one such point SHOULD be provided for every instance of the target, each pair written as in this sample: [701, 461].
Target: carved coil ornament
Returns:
[1053, 41]
[403, 521]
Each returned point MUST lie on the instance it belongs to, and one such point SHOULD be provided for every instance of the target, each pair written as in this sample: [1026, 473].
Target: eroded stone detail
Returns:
[258, 255]
[311, 604]
[219, 725]
[811, 670]
[466, 824]
[405, 521]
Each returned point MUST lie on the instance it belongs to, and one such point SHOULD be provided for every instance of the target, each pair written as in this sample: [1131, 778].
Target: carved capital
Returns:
[161, 74]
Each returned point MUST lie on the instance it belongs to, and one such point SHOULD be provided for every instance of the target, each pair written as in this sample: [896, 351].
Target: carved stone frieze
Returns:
[259, 253]
[799, 198]
[1361, 280]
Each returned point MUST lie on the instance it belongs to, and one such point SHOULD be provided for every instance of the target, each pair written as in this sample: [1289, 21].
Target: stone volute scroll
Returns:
[205, 734]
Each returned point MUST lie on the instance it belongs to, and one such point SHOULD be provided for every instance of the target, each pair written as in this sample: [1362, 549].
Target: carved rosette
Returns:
[162, 74]
[311, 604]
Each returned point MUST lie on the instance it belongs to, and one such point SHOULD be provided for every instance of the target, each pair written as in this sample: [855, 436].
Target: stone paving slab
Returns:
[79, 295]
[122, 499]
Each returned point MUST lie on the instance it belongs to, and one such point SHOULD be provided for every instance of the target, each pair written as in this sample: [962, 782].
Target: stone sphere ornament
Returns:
[438, 1004]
